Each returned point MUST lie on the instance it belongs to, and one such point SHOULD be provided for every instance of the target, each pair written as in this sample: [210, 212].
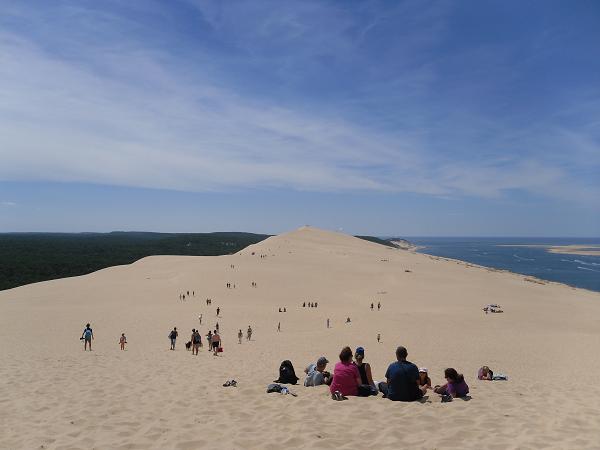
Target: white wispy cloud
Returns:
[138, 116]
[7, 203]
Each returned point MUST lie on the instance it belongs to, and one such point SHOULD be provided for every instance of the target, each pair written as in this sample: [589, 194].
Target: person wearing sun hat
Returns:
[316, 374]
[367, 386]
[424, 380]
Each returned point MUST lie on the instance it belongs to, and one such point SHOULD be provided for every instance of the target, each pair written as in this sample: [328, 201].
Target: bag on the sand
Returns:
[274, 388]
[220, 350]
[287, 374]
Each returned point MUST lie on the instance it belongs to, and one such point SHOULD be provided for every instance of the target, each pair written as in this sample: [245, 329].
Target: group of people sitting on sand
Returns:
[352, 376]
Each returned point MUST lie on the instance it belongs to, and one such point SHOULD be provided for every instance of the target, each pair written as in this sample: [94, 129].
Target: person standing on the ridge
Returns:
[87, 336]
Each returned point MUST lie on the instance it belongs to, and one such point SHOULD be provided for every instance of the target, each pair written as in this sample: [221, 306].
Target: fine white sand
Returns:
[55, 396]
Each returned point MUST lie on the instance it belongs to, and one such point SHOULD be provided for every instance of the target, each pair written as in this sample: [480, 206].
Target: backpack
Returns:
[196, 338]
[287, 375]
[87, 333]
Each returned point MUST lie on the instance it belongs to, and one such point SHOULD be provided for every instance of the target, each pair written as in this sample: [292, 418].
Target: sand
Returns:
[56, 396]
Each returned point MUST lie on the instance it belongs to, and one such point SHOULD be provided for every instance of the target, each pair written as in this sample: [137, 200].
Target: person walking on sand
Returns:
[218, 311]
[249, 333]
[279, 327]
[378, 306]
[240, 336]
[122, 341]
[87, 336]
[371, 306]
[196, 341]
[217, 326]
[378, 337]
[200, 319]
[209, 340]
[216, 343]
[173, 337]
[327, 323]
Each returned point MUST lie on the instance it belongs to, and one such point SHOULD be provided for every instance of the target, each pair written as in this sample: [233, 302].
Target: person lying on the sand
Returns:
[402, 379]
[316, 374]
[346, 377]
[455, 384]
[485, 373]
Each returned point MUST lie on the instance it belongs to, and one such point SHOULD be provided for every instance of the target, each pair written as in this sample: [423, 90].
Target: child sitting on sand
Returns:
[122, 341]
[424, 380]
[455, 385]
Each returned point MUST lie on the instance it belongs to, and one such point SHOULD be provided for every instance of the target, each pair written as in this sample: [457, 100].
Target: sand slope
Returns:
[55, 396]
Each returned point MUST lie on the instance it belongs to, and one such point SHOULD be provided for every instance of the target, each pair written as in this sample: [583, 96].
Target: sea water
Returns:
[574, 270]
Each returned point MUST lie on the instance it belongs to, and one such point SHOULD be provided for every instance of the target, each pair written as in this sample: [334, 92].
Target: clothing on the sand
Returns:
[403, 376]
[345, 375]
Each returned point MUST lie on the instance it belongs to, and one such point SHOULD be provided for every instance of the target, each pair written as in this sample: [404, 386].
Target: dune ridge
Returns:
[55, 396]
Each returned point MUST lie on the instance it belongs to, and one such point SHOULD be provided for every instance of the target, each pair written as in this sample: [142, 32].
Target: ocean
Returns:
[574, 270]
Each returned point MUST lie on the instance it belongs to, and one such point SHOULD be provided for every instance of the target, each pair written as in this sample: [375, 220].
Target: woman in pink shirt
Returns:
[346, 376]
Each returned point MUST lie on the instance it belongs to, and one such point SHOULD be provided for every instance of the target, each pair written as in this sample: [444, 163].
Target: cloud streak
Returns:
[133, 114]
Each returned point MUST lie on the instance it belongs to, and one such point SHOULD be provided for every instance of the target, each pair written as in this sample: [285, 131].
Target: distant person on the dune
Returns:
[304, 304]
[200, 319]
[316, 374]
[348, 320]
[240, 336]
[378, 306]
[87, 336]
[218, 311]
[196, 341]
[372, 306]
[316, 304]
[378, 337]
[327, 323]
[279, 327]
[249, 333]
[122, 341]
[402, 380]
[217, 326]
[209, 340]
[216, 342]
[173, 337]
[284, 309]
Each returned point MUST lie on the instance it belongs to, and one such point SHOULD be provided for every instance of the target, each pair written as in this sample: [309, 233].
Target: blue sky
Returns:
[390, 118]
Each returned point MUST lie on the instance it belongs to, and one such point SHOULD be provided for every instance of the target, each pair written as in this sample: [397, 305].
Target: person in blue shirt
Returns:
[402, 380]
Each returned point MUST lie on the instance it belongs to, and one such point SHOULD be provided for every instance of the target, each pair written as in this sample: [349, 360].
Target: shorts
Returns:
[215, 345]
[88, 340]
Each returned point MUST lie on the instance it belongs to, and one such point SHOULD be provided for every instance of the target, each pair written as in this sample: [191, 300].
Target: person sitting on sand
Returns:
[216, 342]
[455, 384]
[364, 368]
[402, 380]
[316, 374]
[87, 336]
[485, 373]
[348, 320]
[424, 380]
[122, 341]
[346, 377]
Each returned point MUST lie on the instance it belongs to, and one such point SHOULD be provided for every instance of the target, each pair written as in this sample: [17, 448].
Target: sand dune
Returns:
[55, 396]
